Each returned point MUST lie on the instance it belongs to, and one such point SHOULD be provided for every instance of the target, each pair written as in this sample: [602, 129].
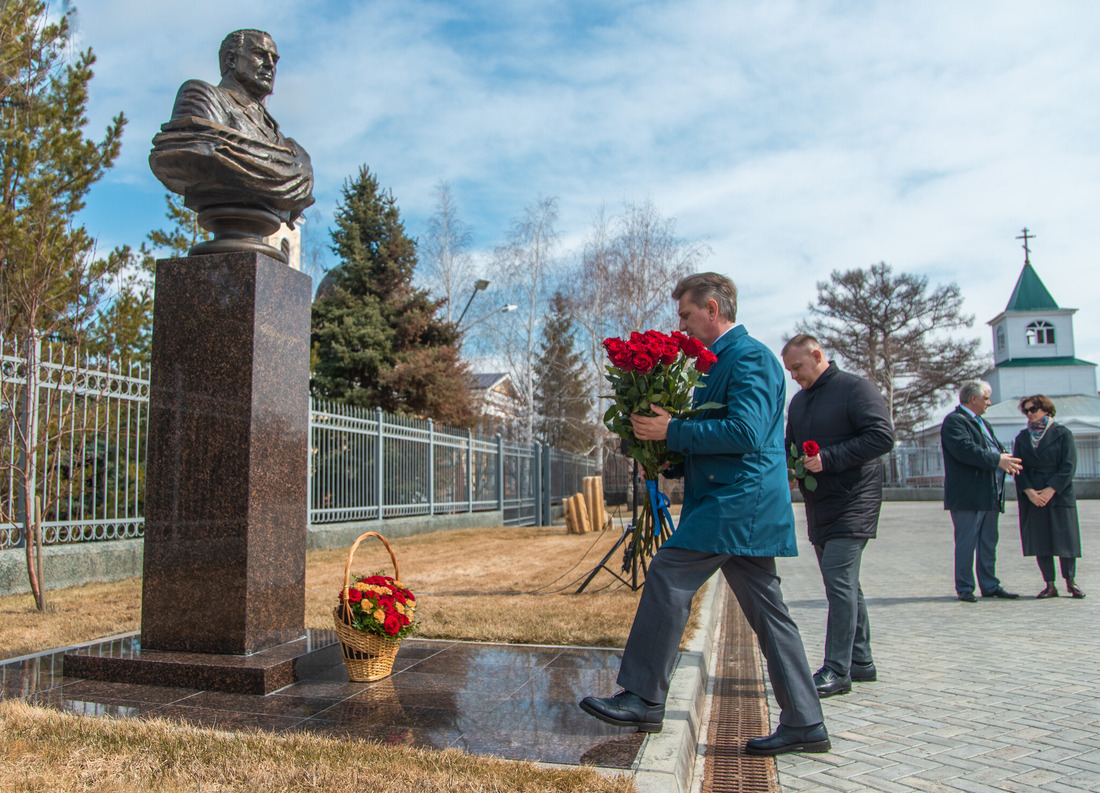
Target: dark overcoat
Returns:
[1052, 530]
[848, 418]
[971, 469]
[736, 498]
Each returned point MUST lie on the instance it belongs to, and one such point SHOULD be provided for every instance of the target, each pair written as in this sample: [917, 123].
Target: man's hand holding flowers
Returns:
[651, 428]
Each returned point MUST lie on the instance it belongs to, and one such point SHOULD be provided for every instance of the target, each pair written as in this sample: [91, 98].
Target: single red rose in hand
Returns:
[705, 360]
[811, 448]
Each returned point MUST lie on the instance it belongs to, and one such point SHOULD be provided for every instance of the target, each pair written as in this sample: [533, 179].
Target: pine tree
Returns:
[563, 397]
[378, 341]
[47, 167]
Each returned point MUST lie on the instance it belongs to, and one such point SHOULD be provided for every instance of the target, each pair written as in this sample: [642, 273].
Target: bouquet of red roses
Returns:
[653, 368]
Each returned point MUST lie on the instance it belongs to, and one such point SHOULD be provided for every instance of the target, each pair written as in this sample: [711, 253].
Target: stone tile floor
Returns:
[516, 702]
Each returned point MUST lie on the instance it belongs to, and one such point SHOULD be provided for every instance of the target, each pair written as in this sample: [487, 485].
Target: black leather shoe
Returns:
[625, 709]
[828, 682]
[1049, 591]
[814, 738]
[1074, 590]
[967, 597]
[863, 673]
[1000, 592]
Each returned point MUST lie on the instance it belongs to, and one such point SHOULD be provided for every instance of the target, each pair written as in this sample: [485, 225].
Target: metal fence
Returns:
[86, 427]
[922, 466]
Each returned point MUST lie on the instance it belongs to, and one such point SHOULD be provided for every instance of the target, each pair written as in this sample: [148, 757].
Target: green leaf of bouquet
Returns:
[811, 483]
[610, 413]
[658, 398]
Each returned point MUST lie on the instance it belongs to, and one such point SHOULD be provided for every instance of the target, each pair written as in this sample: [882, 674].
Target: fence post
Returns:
[379, 463]
[500, 475]
[469, 471]
[536, 489]
[431, 467]
[548, 490]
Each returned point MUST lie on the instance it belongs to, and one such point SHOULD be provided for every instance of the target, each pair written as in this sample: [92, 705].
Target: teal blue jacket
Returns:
[736, 497]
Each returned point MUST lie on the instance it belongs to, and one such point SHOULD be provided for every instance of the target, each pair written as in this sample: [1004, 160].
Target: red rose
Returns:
[692, 347]
[705, 360]
[679, 338]
[811, 448]
[623, 360]
[643, 362]
[392, 625]
[354, 595]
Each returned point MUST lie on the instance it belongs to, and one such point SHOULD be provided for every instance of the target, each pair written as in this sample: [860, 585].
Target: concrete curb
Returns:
[666, 761]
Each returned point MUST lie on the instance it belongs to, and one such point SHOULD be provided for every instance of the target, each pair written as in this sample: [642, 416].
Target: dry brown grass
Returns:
[45, 750]
[471, 585]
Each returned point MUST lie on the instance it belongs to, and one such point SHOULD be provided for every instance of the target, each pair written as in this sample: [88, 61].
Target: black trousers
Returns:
[1046, 565]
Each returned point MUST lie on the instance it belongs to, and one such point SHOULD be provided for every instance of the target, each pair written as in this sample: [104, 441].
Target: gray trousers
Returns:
[673, 578]
[847, 630]
[975, 536]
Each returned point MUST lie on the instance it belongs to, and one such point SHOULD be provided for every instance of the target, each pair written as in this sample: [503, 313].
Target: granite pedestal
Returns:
[225, 507]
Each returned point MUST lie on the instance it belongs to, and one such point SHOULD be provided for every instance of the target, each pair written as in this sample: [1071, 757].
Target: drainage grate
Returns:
[739, 711]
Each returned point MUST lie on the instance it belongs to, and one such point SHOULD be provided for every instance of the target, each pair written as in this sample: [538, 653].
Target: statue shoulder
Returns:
[200, 99]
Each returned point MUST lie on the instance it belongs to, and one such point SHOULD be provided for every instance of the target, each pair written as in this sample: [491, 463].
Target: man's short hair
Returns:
[1043, 402]
[973, 388]
[702, 287]
[803, 341]
[233, 43]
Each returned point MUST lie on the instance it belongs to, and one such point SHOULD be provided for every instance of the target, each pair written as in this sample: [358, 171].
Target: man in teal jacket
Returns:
[736, 518]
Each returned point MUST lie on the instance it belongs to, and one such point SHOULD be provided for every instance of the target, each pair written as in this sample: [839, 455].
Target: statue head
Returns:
[248, 59]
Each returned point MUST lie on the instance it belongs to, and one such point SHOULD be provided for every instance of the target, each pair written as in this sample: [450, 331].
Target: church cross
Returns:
[1027, 251]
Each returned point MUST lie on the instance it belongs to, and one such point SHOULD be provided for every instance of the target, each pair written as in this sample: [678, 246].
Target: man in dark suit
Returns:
[975, 464]
[847, 417]
[736, 518]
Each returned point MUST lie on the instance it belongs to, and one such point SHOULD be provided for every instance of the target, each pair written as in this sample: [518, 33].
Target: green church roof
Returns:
[1062, 360]
[1030, 294]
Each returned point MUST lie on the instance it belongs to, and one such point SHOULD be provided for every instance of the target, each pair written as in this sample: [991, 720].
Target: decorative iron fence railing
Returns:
[85, 429]
[922, 466]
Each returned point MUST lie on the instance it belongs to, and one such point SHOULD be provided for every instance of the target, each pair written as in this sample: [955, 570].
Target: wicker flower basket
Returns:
[367, 656]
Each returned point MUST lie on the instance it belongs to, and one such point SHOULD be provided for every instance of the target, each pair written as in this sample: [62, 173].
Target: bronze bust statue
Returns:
[225, 154]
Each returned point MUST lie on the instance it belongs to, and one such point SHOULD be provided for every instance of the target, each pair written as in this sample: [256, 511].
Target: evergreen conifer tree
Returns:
[563, 398]
[377, 340]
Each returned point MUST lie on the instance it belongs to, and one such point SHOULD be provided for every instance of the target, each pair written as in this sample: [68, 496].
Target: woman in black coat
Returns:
[1048, 505]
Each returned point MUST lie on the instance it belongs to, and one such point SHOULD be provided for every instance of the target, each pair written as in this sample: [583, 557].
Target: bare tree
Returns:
[446, 251]
[524, 268]
[891, 330]
[624, 281]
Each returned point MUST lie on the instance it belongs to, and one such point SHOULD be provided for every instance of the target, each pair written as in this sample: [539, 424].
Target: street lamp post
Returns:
[479, 285]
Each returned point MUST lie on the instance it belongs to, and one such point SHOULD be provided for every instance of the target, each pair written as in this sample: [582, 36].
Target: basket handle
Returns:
[351, 553]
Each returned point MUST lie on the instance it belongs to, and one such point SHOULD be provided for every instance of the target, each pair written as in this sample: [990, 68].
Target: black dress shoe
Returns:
[625, 709]
[814, 738]
[1074, 590]
[967, 597]
[1049, 591]
[863, 673]
[828, 682]
[1000, 592]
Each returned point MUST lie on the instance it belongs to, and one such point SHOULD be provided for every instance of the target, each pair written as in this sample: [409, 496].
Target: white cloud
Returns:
[795, 137]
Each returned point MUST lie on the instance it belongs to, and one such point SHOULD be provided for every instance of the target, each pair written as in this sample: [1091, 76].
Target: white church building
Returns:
[1033, 353]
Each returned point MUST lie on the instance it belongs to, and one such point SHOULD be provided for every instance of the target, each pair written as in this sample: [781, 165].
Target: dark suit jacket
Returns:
[971, 468]
[848, 417]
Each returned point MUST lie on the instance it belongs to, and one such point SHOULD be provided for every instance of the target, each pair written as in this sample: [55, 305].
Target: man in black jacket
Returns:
[846, 416]
[974, 468]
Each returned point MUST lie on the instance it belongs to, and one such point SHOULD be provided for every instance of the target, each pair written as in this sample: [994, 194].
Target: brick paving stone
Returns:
[990, 696]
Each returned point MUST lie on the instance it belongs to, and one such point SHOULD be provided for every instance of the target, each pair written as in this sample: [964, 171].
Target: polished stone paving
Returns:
[516, 702]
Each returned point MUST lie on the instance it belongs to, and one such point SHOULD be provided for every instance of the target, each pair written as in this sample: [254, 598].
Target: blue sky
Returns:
[794, 138]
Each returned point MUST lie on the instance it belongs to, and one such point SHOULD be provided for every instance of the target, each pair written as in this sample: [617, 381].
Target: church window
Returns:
[1001, 337]
[1040, 332]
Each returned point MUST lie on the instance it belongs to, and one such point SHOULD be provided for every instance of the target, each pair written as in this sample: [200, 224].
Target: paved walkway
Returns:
[996, 695]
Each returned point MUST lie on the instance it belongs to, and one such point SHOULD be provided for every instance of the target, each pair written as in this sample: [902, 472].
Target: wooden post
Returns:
[570, 521]
[580, 512]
